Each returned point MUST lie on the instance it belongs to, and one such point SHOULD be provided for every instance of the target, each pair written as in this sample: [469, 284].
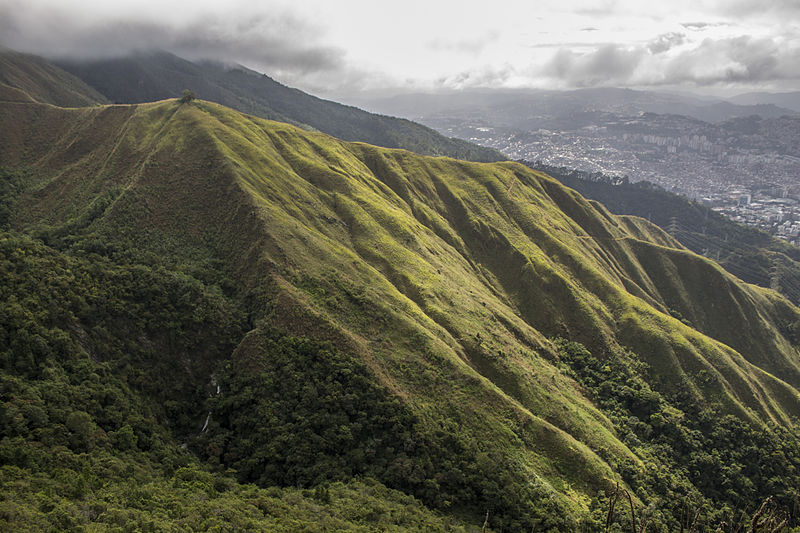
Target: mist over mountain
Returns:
[25, 77]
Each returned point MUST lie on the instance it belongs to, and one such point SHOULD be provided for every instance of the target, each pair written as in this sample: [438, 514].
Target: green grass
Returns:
[445, 281]
[748, 253]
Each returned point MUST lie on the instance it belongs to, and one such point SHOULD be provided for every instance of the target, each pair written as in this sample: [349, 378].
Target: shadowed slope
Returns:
[42, 82]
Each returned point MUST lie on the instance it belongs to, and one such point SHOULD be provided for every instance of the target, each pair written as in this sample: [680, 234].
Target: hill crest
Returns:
[149, 76]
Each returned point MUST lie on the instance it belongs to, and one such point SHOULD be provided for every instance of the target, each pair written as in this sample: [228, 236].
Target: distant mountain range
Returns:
[147, 77]
[790, 100]
[525, 109]
[700, 147]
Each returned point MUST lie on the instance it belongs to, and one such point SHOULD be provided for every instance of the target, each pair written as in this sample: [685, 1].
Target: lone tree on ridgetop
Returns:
[187, 97]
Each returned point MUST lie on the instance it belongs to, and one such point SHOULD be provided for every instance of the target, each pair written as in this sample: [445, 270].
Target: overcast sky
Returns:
[334, 47]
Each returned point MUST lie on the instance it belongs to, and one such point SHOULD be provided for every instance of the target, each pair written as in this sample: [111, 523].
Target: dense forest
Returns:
[95, 419]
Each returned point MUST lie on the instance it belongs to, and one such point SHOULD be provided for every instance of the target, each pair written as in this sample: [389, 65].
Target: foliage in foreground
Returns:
[312, 414]
[697, 461]
[91, 409]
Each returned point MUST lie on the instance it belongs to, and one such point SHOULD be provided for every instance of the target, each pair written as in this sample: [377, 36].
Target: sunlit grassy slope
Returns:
[751, 254]
[448, 279]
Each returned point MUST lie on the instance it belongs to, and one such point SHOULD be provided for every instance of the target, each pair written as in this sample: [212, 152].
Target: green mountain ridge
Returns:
[147, 77]
[520, 342]
[748, 253]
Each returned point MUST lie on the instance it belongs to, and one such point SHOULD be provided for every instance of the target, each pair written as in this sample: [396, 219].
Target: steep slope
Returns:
[748, 253]
[91, 410]
[160, 75]
[430, 308]
[27, 77]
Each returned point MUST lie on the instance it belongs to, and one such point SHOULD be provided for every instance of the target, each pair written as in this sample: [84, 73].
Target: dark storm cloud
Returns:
[275, 42]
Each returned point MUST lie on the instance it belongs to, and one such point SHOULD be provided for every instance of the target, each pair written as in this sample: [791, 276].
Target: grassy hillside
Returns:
[25, 77]
[475, 335]
[750, 254]
[160, 75]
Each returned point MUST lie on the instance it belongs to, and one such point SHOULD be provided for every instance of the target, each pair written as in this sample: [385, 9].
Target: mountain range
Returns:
[790, 100]
[147, 77]
[701, 148]
[211, 319]
[26, 78]
[526, 109]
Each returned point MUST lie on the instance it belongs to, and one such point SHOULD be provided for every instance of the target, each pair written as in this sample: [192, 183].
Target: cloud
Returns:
[472, 46]
[598, 8]
[665, 42]
[702, 26]
[743, 59]
[671, 59]
[325, 49]
[487, 76]
[745, 8]
[274, 42]
[572, 45]
[608, 64]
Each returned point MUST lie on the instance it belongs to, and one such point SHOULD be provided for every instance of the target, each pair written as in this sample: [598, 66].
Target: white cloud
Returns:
[362, 44]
